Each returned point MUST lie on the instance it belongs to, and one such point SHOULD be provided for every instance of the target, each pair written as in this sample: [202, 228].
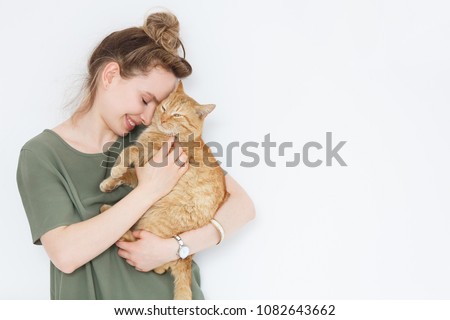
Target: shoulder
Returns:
[44, 140]
[43, 146]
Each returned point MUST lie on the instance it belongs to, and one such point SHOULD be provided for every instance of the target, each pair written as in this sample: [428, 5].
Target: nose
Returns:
[147, 116]
[163, 118]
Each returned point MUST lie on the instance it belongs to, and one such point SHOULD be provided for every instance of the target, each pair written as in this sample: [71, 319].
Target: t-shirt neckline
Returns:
[75, 150]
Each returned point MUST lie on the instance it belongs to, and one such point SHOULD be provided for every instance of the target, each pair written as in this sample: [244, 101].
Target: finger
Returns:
[177, 144]
[184, 167]
[124, 245]
[182, 159]
[131, 263]
[162, 153]
[174, 155]
[178, 149]
[139, 234]
[123, 254]
[165, 148]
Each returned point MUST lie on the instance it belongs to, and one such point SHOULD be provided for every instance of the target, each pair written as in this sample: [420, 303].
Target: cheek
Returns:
[179, 124]
[114, 102]
[126, 102]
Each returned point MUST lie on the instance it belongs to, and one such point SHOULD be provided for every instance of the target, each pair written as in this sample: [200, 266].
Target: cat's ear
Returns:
[204, 109]
[180, 87]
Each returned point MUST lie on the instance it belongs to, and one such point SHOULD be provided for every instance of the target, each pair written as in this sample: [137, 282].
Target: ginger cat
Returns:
[194, 200]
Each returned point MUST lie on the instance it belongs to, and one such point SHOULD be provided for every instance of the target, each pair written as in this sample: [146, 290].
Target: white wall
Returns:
[374, 73]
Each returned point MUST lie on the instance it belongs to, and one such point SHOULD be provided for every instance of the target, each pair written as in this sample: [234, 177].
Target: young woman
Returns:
[60, 170]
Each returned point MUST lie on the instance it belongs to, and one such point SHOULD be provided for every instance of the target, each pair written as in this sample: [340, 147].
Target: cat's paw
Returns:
[109, 184]
[128, 236]
[118, 171]
[159, 270]
[104, 207]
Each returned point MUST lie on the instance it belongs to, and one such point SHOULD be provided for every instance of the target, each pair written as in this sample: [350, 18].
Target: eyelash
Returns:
[145, 102]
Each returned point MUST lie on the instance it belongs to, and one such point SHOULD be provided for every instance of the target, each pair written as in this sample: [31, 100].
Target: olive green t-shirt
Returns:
[59, 186]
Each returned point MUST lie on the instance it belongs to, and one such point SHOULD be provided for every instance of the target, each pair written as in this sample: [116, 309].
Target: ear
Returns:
[205, 109]
[180, 87]
[110, 71]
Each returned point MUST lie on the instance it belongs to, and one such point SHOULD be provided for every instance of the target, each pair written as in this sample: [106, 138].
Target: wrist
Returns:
[147, 198]
[183, 250]
[172, 249]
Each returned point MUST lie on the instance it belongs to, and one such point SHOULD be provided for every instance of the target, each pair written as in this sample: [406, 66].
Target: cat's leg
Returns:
[121, 173]
[130, 178]
[127, 157]
[182, 273]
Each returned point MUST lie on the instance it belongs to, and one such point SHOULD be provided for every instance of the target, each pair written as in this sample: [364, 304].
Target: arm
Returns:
[151, 251]
[70, 247]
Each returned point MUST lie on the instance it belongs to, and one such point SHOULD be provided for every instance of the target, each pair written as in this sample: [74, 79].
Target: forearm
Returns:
[232, 215]
[72, 246]
[151, 251]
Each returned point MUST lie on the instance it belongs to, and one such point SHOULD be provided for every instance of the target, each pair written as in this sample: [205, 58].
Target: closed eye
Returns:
[177, 115]
[163, 109]
[145, 102]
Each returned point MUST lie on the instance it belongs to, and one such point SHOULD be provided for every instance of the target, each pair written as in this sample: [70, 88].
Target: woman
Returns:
[60, 170]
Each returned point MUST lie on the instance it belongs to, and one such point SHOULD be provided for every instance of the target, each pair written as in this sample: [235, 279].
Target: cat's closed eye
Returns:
[163, 109]
[176, 115]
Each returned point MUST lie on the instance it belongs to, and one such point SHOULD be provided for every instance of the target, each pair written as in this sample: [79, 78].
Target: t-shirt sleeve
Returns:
[44, 195]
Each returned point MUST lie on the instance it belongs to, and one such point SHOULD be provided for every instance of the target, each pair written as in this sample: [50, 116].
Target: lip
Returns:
[127, 123]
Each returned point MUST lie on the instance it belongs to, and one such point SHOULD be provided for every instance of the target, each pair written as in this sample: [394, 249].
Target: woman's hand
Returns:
[148, 251]
[162, 172]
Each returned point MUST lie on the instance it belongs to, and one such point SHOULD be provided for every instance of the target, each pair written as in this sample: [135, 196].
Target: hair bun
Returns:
[164, 29]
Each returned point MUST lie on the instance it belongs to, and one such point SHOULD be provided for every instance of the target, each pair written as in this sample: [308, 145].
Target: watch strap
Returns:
[183, 250]
[180, 241]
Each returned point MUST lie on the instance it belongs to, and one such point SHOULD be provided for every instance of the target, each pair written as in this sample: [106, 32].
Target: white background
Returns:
[374, 73]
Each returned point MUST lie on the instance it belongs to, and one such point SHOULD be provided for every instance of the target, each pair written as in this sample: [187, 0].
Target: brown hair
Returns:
[137, 50]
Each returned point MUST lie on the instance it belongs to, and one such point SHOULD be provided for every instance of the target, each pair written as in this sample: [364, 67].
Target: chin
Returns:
[121, 132]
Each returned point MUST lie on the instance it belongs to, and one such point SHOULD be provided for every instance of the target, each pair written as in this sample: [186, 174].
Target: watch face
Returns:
[184, 252]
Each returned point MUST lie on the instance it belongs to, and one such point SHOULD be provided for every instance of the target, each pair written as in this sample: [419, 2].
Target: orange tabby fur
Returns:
[194, 200]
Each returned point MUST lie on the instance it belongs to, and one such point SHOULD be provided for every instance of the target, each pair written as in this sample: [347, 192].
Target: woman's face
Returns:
[130, 102]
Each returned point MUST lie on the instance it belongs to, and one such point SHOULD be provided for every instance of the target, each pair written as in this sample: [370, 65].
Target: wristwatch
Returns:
[183, 250]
